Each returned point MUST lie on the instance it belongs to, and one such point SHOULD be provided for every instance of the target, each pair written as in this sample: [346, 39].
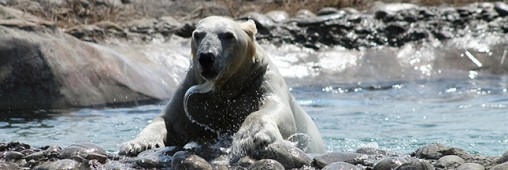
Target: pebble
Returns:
[246, 161]
[503, 166]
[449, 161]
[503, 158]
[471, 166]
[266, 164]
[88, 151]
[416, 165]
[432, 151]
[340, 166]
[156, 158]
[60, 164]
[389, 163]
[328, 158]
[285, 153]
[187, 160]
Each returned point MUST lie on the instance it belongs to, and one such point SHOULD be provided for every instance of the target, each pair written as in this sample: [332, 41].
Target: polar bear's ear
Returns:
[249, 27]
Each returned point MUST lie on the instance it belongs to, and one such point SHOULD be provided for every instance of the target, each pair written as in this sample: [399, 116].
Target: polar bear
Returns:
[231, 89]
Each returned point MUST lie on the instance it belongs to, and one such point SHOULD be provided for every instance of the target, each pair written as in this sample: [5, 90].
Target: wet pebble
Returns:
[328, 158]
[60, 164]
[278, 15]
[374, 151]
[449, 161]
[285, 153]
[416, 165]
[13, 155]
[8, 165]
[187, 160]
[432, 151]
[471, 166]
[266, 164]
[245, 161]
[86, 151]
[340, 166]
[389, 163]
[156, 158]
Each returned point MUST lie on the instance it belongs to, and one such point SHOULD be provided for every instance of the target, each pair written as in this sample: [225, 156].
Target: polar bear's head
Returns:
[221, 46]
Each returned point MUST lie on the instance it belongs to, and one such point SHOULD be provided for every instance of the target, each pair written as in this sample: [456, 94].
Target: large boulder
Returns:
[44, 68]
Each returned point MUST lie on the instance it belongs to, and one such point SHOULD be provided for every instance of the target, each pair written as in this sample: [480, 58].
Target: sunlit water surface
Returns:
[395, 99]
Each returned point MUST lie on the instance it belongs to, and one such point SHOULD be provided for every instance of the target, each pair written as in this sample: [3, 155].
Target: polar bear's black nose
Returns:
[206, 60]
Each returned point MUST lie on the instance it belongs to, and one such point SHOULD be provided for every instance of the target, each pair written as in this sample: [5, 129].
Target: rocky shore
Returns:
[16, 155]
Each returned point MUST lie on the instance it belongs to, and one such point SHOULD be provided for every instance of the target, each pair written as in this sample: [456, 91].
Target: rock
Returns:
[266, 164]
[86, 151]
[449, 161]
[286, 154]
[246, 161]
[328, 158]
[471, 166]
[374, 151]
[340, 166]
[304, 13]
[503, 158]
[13, 155]
[8, 165]
[503, 166]
[156, 158]
[432, 151]
[263, 23]
[501, 8]
[195, 162]
[389, 163]
[185, 30]
[43, 68]
[278, 15]
[415, 165]
[327, 11]
[60, 164]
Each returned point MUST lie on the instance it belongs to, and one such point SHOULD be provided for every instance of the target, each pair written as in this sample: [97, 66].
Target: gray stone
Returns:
[327, 11]
[278, 15]
[187, 160]
[156, 158]
[374, 151]
[285, 153]
[304, 13]
[13, 155]
[246, 161]
[328, 158]
[471, 166]
[503, 166]
[416, 165]
[86, 151]
[432, 151]
[450, 161]
[503, 158]
[63, 164]
[389, 163]
[501, 8]
[340, 166]
[266, 164]
[8, 165]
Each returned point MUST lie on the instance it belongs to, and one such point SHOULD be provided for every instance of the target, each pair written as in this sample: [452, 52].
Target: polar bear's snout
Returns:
[206, 62]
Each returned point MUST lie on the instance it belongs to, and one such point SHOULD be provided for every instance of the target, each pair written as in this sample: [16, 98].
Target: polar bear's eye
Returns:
[198, 35]
[227, 36]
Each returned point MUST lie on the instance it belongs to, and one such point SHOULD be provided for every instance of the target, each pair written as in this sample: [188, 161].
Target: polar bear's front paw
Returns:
[254, 137]
[134, 147]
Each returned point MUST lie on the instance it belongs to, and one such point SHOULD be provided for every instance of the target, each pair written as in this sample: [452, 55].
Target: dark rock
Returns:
[285, 153]
[60, 164]
[266, 164]
[156, 158]
[501, 8]
[13, 155]
[389, 163]
[432, 151]
[328, 158]
[194, 162]
[503, 158]
[86, 151]
[503, 166]
[340, 166]
[449, 161]
[263, 23]
[415, 165]
[185, 30]
[17, 146]
[471, 166]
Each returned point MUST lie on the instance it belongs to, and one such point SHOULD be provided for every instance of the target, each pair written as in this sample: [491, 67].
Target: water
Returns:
[389, 98]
